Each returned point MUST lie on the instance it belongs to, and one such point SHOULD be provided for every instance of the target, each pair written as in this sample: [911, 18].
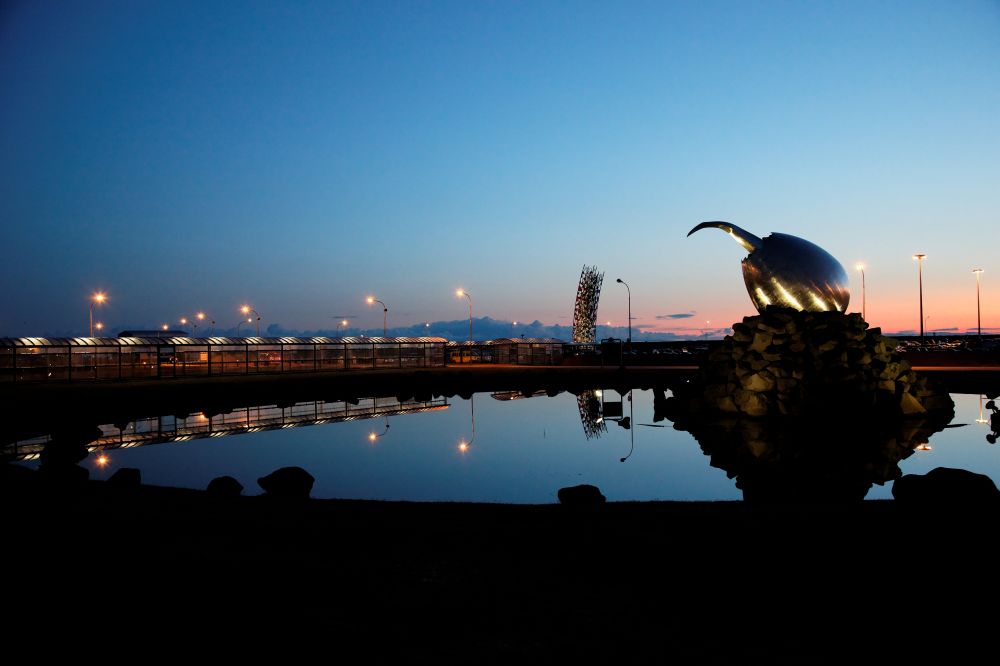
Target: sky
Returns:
[300, 156]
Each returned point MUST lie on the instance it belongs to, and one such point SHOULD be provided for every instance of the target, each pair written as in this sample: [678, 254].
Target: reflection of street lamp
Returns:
[979, 321]
[99, 299]
[99, 326]
[463, 445]
[385, 314]
[460, 293]
[247, 321]
[981, 419]
[246, 309]
[621, 281]
[861, 268]
[372, 436]
[920, 277]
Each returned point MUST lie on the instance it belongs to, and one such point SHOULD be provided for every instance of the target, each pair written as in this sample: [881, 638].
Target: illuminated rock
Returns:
[788, 271]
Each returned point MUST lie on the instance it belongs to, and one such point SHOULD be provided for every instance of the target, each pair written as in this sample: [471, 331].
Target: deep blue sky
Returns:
[299, 156]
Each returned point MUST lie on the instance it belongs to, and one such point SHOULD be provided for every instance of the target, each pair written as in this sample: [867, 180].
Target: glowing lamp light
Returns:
[165, 327]
[372, 437]
[102, 460]
[245, 309]
[200, 316]
[184, 321]
[99, 297]
[99, 326]
[463, 446]
[370, 300]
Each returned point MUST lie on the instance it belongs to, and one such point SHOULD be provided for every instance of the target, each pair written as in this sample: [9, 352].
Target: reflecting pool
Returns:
[499, 447]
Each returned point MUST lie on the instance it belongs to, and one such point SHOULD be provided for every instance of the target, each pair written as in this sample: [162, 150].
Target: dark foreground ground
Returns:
[726, 582]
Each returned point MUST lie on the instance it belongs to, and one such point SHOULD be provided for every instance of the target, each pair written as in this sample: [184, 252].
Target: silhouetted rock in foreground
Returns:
[582, 495]
[226, 486]
[287, 482]
[944, 484]
[126, 477]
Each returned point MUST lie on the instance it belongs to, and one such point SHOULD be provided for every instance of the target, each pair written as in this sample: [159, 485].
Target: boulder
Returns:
[582, 495]
[225, 486]
[945, 484]
[287, 482]
[126, 477]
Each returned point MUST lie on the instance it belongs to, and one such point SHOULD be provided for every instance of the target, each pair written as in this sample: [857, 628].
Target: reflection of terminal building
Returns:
[165, 429]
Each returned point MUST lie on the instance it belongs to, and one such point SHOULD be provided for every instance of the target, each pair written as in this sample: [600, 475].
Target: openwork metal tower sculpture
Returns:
[588, 293]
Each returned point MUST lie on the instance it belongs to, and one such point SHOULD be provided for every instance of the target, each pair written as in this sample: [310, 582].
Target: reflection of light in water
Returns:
[102, 460]
[981, 419]
[923, 447]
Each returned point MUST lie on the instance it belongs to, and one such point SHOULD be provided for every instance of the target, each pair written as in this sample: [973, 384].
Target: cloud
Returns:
[682, 315]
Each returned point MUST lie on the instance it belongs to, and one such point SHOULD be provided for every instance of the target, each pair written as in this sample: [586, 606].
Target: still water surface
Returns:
[490, 450]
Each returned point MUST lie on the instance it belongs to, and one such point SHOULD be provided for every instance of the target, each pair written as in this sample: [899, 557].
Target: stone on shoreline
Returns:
[291, 482]
[582, 495]
[945, 484]
[225, 486]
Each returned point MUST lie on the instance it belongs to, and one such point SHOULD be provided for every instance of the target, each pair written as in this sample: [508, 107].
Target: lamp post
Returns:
[241, 322]
[385, 314]
[246, 309]
[621, 281]
[99, 299]
[460, 293]
[979, 321]
[920, 277]
[201, 317]
[861, 268]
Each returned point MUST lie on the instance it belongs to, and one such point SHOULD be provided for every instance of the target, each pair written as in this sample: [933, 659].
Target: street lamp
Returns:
[99, 326]
[201, 317]
[99, 299]
[621, 281]
[861, 267]
[460, 293]
[920, 277]
[385, 314]
[246, 309]
[241, 322]
[979, 321]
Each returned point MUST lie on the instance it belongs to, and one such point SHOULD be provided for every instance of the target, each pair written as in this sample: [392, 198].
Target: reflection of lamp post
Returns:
[98, 298]
[246, 309]
[463, 445]
[385, 314]
[861, 267]
[621, 281]
[979, 321]
[920, 277]
[248, 321]
[631, 430]
[460, 293]
[372, 436]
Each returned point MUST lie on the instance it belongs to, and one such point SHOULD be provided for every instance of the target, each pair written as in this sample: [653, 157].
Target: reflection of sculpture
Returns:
[788, 271]
[588, 293]
[591, 415]
[833, 458]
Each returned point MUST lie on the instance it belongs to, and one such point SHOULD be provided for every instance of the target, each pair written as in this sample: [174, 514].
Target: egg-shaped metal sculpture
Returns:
[789, 271]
